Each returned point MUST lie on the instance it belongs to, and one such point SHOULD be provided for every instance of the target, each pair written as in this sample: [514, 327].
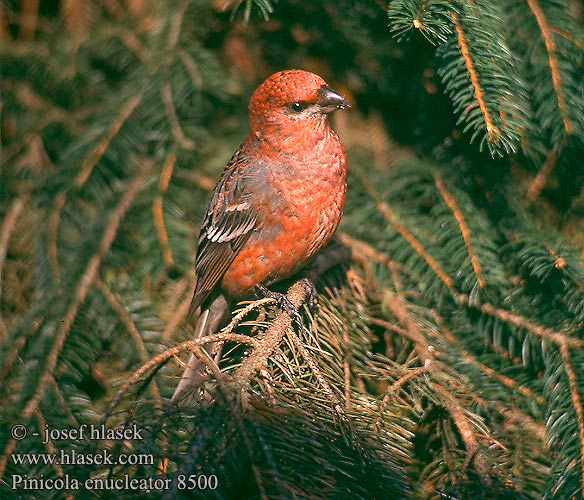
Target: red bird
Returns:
[277, 203]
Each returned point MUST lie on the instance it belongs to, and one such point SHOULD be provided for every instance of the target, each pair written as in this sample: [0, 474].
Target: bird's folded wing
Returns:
[228, 223]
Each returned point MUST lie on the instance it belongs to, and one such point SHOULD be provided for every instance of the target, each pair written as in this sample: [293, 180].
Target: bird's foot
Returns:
[283, 302]
[311, 295]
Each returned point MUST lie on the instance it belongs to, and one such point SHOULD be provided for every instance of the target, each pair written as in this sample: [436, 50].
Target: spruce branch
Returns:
[6, 230]
[428, 360]
[63, 404]
[13, 355]
[256, 304]
[131, 328]
[575, 386]
[179, 313]
[257, 360]
[28, 19]
[175, 25]
[402, 229]
[559, 337]
[264, 6]
[157, 207]
[429, 17]
[313, 365]
[549, 43]
[191, 67]
[563, 423]
[550, 46]
[578, 42]
[29, 98]
[81, 291]
[87, 166]
[177, 132]
[97, 152]
[347, 362]
[400, 382]
[540, 180]
[481, 76]
[362, 251]
[53, 235]
[464, 230]
[155, 363]
[135, 45]
[493, 132]
[467, 433]
[471, 359]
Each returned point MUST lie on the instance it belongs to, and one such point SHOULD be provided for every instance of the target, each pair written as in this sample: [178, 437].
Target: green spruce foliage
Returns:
[446, 357]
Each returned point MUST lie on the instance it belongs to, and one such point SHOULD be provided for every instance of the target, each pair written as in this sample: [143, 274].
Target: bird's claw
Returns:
[311, 295]
[283, 302]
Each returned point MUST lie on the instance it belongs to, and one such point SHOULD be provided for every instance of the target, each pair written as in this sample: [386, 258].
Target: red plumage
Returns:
[278, 201]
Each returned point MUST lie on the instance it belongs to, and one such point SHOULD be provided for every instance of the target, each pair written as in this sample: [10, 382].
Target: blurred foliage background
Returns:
[447, 357]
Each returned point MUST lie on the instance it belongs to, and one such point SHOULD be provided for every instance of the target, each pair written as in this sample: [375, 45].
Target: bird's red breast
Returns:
[297, 214]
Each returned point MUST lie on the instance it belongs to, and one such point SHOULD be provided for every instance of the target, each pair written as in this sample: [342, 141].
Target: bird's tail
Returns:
[213, 316]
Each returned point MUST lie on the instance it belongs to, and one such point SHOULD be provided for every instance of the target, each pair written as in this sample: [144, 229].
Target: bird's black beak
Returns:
[329, 100]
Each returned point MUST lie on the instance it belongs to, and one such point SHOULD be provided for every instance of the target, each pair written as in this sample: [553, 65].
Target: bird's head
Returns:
[292, 100]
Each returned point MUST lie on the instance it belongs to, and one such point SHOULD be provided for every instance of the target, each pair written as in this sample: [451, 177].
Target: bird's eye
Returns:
[297, 107]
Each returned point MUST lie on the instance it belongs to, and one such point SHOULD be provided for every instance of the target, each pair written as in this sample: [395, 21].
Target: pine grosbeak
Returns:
[278, 201]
